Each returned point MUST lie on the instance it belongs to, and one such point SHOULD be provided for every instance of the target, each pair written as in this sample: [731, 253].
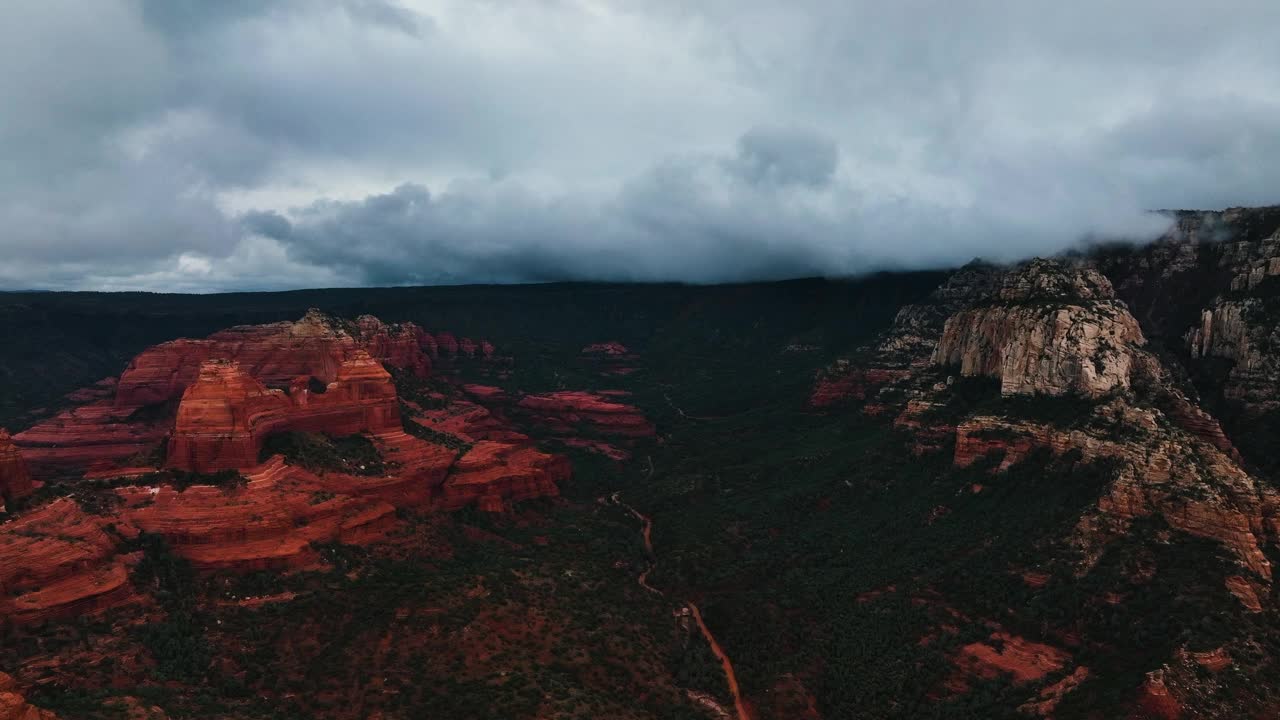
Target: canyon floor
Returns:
[1043, 490]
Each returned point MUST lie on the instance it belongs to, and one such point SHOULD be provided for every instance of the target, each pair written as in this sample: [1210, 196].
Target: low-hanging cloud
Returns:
[291, 143]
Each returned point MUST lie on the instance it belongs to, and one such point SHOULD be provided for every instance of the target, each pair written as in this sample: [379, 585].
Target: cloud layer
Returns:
[195, 146]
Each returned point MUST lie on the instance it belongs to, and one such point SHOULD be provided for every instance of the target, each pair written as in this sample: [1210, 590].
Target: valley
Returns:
[1004, 492]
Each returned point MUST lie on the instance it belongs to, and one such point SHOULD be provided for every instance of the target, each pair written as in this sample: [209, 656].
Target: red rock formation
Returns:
[612, 357]
[399, 345]
[842, 383]
[1191, 484]
[494, 474]
[15, 481]
[612, 348]
[99, 434]
[13, 706]
[927, 435]
[315, 346]
[226, 415]
[564, 411]
[269, 523]
[447, 343]
[1047, 701]
[1155, 701]
[467, 422]
[57, 562]
[1003, 653]
[600, 448]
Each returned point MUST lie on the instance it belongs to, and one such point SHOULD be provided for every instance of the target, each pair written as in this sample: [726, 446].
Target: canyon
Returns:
[1042, 489]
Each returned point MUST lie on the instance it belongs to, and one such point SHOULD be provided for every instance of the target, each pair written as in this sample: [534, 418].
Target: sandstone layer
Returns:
[276, 354]
[1050, 330]
[225, 416]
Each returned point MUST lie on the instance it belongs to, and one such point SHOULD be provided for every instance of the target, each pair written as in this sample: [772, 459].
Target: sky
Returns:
[194, 146]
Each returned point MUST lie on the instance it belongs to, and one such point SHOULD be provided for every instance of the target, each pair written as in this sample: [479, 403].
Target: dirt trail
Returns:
[646, 532]
[729, 675]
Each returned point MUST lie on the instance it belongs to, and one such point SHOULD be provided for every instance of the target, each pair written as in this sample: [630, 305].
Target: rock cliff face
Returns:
[1206, 293]
[1239, 333]
[494, 474]
[15, 481]
[90, 436]
[57, 561]
[226, 414]
[907, 348]
[1050, 330]
[1161, 471]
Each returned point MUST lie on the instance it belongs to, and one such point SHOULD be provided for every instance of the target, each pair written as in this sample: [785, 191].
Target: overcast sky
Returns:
[190, 145]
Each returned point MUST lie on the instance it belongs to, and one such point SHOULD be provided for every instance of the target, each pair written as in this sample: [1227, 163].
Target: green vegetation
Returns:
[177, 643]
[320, 453]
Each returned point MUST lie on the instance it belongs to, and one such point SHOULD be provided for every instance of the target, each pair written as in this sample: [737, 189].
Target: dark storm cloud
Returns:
[218, 145]
[785, 156]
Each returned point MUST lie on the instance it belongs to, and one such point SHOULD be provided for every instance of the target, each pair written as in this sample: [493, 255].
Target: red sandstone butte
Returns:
[103, 433]
[15, 481]
[226, 414]
[276, 353]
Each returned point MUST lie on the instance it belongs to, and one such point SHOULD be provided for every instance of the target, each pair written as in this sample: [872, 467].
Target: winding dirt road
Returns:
[729, 675]
[731, 678]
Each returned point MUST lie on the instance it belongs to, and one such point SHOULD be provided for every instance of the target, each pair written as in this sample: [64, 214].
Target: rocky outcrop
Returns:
[60, 561]
[1023, 660]
[611, 358]
[57, 562]
[570, 410]
[907, 347]
[842, 383]
[397, 345]
[277, 353]
[225, 416]
[15, 481]
[596, 421]
[137, 416]
[494, 474]
[1160, 471]
[1049, 329]
[1053, 328]
[1242, 333]
[91, 436]
[13, 706]
[270, 523]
